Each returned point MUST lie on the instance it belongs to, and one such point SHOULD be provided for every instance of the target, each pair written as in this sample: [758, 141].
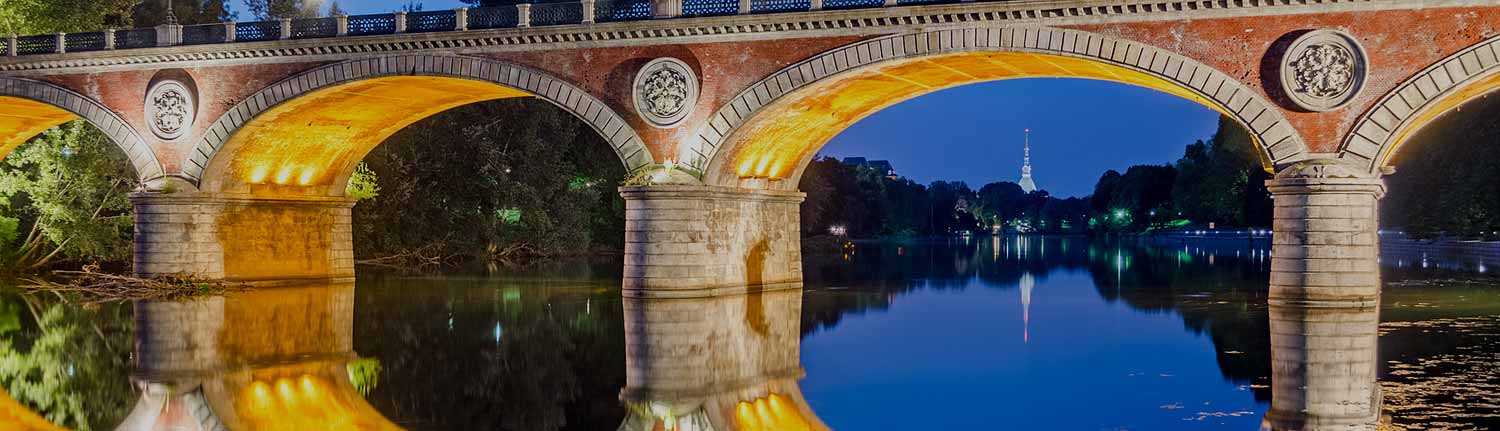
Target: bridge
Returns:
[245, 134]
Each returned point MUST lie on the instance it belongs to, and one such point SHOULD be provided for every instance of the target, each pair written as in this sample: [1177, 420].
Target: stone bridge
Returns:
[244, 135]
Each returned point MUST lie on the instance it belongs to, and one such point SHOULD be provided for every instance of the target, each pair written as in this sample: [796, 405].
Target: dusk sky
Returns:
[1080, 128]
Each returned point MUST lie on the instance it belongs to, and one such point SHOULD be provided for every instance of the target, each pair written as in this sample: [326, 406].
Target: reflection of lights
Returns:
[771, 413]
[838, 230]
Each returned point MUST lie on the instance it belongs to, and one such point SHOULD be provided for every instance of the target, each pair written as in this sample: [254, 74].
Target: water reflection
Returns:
[728, 362]
[270, 359]
[1323, 369]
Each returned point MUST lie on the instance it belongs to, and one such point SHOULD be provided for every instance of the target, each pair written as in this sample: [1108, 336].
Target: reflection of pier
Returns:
[1323, 369]
[272, 359]
[727, 362]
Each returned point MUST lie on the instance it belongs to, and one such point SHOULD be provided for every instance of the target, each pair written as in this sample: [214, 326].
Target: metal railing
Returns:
[483, 18]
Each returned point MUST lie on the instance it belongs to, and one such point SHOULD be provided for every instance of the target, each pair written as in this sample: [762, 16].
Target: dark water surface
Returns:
[980, 333]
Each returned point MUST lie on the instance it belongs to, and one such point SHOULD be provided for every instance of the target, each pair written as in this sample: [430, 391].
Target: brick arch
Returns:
[66, 106]
[521, 80]
[1447, 84]
[1115, 59]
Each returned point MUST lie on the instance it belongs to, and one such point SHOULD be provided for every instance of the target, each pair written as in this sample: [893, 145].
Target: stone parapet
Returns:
[1325, 248]
[698, 241]
[241, 238]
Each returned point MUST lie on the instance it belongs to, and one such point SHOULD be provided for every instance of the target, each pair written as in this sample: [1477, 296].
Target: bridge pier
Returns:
[1325, 248]
[242, 238]
[700, 240]
[1323, 369]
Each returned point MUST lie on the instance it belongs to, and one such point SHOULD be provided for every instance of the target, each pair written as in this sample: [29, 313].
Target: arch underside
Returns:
[305, 135]
[1384, 131]
[758, 137]
[28, 108]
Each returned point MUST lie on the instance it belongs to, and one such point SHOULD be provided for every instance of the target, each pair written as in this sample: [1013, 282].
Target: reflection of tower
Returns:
[1027, 282]
[1027, 184]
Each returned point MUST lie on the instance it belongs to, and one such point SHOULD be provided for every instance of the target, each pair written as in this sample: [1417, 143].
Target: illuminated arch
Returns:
[772, 129]
[29, 107]
[1441, 87]
[310, 130]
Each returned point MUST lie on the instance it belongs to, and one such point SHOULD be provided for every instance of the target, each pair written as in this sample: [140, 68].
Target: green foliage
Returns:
[1221, 181]
[67, 363]
[1133, 201]
[151, 13]
[52, 16]
[498, 161]
[1448, 180]
[277, 9]
[363, 185]
[68, 189]
[364, 374]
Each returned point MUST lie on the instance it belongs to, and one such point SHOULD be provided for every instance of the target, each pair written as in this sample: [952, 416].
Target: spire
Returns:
[1027, 283]
[1026, 182]
[171, 17]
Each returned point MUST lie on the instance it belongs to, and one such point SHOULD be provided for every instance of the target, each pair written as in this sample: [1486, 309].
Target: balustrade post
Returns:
[61, 46]
[10, 46]
[588, 12]
[666, 8]
[341, 25]
[229, 32]
[523, 15]
[400, 22]
[815, 5]
[286, 29]
[461, 19]
[168, 35]
[890, 2]
[744, 7]
[109, 39]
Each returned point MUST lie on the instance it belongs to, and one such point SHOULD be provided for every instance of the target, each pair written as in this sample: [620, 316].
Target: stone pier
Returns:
[242, 238]
[1323, 369]
[701, 240]
[1325, 246]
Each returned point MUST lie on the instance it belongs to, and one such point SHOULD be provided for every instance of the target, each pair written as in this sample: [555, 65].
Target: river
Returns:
[972, 333]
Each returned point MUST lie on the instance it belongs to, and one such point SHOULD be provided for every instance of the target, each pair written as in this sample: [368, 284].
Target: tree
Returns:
[151, 13]
[68, 363]
[67, 190]
[52, 16]
[277, 9]
[335, 10]
[1221, 181]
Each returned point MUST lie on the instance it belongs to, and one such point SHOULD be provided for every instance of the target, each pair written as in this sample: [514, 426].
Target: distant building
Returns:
[1026, 183]
[882, 166]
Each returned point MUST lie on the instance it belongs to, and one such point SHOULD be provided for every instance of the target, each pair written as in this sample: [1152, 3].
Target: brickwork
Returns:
[1323, 369]
[257, 240]
[695, 240]
[142, 157]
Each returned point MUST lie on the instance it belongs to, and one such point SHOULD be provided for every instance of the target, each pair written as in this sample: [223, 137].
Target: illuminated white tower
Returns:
[1027, 185]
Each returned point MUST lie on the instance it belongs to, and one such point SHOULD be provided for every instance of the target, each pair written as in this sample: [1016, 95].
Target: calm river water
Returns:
[979, 333]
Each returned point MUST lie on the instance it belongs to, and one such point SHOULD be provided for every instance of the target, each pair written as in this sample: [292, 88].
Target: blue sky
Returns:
[1080, 128]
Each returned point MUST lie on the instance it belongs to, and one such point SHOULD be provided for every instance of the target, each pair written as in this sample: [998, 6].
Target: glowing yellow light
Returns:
[760, 168]
[744, 169]
[284, 175]
[259, 173]
[306, 178]
[308, 388]
[763, 413]
[262, 394]
[775, 169]
[746, 417]
[284, 389]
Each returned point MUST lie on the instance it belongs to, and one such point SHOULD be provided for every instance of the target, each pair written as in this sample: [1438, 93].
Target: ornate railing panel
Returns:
[257, 31]
[138, 38]
[360, 25]
[81, 42]
[438, 20]
[204, 34]
[556, 13]
[622, 10]
[911, 2]
[39, 44]
[710, 7]
[493, 17]
[852, 4]
[763, 6]
[315, 27]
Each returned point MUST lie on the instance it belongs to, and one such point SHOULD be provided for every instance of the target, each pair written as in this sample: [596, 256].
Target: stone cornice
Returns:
[853, 22]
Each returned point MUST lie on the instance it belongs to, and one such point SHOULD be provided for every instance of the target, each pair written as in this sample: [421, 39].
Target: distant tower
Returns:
[1027, 283]
[1027, 184]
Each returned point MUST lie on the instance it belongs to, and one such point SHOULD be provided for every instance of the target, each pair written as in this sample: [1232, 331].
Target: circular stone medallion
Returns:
[1323, 70]
[665, 91]
[170, 109]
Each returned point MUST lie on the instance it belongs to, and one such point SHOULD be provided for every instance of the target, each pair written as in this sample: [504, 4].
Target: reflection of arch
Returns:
[807, 103]
[330, 123]
[28, 108]
[270, 359]
[1459, 78]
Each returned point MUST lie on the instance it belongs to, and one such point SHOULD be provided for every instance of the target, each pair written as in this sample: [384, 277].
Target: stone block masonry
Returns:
[699, 240]
[243, 239]
[1325, 248]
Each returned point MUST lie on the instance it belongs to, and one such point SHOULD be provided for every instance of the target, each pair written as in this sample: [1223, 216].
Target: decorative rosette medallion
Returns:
[666, 90]
[170, 109]
[1323, 70]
